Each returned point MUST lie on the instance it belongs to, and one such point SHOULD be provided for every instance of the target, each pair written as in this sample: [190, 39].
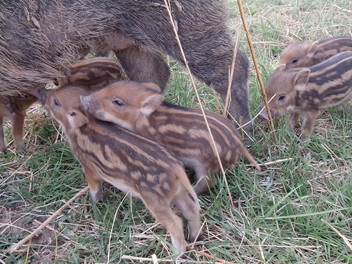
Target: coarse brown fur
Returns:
[40, 40]
[129, 162]
[140, 108]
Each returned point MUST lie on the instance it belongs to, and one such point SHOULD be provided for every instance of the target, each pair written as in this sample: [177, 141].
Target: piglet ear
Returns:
[153, 87]
[76, 118]
[151, 103]
[301, 79]
[312, 49]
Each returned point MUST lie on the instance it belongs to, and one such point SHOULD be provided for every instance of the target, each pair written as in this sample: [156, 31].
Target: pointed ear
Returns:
[300, 79]
[151, 103]
[312, 49]
[153, 87]
[76, 118]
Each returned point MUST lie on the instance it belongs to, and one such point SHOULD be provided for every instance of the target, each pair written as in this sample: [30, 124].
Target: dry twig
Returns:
[228, 95]
[199, 101]
[212, 257]
[256, 67]
[337, 232]
[260, 246]
[112, 226]
[44, 224]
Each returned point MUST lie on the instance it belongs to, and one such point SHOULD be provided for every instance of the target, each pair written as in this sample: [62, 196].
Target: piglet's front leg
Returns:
[293, 119]
[95, 184]
[310, 120]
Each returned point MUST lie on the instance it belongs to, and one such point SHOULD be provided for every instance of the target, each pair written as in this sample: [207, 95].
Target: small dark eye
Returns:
[295, 60]
[56, 102]
[118, 102]
[281, 98]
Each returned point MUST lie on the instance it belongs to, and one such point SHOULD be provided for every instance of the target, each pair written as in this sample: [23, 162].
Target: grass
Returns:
[278, 211]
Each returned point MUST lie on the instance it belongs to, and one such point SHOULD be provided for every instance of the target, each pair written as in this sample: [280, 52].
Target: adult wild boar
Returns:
[40, 39]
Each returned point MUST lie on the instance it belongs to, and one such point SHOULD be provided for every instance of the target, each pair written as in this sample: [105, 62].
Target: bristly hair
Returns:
[40, 39]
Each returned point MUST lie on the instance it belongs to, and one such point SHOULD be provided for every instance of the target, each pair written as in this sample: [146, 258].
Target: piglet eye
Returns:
[281, 99]
[118, 102]
[295, 60]
[56, 102]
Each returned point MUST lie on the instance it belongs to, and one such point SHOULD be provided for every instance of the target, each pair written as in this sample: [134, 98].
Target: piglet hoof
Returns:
[201, 188]
[200, 237]
[4, 151]
[97, 196]
[305, 138]
[21, 149]
[188, 248]
[344, 106]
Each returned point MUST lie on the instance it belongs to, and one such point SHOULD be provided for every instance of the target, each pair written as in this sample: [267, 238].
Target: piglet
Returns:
[304, 92]
[306, 54]
[139, 107]
[128, 161]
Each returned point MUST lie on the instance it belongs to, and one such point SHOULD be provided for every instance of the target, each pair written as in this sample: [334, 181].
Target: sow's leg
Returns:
[206, 41]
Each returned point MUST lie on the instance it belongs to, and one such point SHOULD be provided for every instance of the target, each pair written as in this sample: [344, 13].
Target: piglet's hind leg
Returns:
[190, 211]
[161, 210]
[205, 181]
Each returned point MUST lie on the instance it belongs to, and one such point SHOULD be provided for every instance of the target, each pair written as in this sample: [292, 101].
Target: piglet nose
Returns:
[42, 95]
[263, 115]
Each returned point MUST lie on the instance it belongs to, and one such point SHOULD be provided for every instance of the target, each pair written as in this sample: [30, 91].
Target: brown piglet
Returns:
[128, 161]
[306, 54]
[304, 92]
[139, 107]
